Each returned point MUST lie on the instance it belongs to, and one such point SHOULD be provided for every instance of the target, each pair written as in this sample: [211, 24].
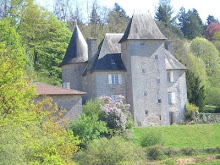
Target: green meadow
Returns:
[184, 136]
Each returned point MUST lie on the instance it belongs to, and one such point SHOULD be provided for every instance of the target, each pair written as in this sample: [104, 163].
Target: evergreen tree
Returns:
[190, 23]
[211, 19]
[164, 12]
[117, 19]
[195, 92]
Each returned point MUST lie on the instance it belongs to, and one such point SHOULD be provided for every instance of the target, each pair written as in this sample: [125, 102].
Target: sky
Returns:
[204, 7]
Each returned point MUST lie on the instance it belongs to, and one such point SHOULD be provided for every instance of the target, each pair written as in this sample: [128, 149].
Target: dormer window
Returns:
[112, 61]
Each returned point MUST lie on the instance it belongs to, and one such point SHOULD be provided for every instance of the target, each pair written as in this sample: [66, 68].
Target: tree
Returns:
[190, 23]
[211, 30]
[211, 19]
[117, 19]
[164, 13]
[195, 91]
[46, 40]
[208, 53]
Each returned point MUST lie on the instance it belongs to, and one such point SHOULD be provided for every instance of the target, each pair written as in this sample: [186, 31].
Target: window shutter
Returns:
[173, 98]
[109, 78]
[171, 76]
[64, 85]
[119, 79]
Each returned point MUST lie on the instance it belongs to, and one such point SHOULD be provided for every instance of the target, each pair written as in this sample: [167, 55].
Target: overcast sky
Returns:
[204, 7]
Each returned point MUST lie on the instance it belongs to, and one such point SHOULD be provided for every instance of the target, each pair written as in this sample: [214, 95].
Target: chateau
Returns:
[137, 64]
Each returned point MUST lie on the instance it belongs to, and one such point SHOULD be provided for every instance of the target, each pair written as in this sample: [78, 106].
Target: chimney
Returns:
[92, 47]
[169, 46]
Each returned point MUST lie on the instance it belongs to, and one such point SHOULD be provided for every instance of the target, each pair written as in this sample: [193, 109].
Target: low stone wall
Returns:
[202, 118]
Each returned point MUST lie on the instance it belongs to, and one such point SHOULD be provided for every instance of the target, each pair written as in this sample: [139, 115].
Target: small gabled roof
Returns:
[108, 56]
[142, 26]
[46, 89]
[77, 50]
[172, 63]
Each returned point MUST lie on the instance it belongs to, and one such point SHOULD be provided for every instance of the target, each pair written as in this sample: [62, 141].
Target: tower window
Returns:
[143, 71]
[146, 112]
[156, 57]
[170, 76]
[159, 100]
[145, 93]
[171, 98]
[158, 80]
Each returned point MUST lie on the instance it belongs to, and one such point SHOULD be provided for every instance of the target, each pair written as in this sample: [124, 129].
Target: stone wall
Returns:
[178, 86]
[146, 80]
[104, 88]
[202, 118]
[73, 73]
[71, 103]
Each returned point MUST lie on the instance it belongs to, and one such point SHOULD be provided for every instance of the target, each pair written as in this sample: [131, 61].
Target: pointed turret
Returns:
[142, 26]
[77, 50]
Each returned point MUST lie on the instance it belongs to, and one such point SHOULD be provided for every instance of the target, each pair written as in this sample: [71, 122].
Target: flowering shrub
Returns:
[117, 115]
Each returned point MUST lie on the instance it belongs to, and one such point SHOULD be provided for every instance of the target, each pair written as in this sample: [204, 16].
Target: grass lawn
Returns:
[182, 136]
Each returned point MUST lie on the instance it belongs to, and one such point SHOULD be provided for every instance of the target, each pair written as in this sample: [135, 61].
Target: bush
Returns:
[88, 127]
[191, 111]
[117, 115]
[155, 153]
[189, 151]
[150, 138]
[110, 152]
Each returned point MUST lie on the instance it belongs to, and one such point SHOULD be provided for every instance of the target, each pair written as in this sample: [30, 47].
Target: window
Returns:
[112, 61]
[114, 78]
[170, 76]
[143, 71]
[66, 85]
[114, 97]
[156, 57]
[159, 100]
[145, 93]
[171, 98]
[146, 113]
[158, 80]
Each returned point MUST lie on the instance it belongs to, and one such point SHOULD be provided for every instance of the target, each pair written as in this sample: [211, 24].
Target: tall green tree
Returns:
[190, 23]
[195, 91]
[164, 13]
[46, 40]
[208, 53]
[117, 19]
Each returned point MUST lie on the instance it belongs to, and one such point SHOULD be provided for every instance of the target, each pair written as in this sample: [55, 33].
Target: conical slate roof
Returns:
[142, 26]
[77, 50]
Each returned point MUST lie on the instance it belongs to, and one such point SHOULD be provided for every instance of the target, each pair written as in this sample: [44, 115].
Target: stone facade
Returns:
[134, 64]
[72, 104]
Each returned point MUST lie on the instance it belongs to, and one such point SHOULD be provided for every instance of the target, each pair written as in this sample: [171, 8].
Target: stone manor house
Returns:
[137, 64]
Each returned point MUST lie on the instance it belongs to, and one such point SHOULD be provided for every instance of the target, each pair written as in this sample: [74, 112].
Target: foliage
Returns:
[211, 30]
[164, 13]
[88, 127]
[195, 91]
[46, 40]
[211, 19]
[155, 153]
[150, 138]
[117, 19]
[190, 23]
[183, 136]
[117, 113]
[191, 111]
[213, 96]
[110, 151]
[209, 54]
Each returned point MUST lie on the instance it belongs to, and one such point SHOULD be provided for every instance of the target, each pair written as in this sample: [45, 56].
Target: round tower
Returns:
[74, 61]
